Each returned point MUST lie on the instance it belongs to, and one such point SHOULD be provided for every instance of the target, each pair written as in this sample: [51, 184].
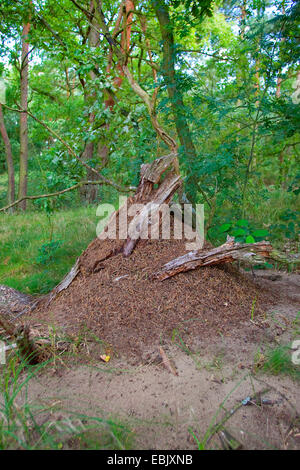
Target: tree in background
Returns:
[23, 172]
[200, 78]
[8, 153]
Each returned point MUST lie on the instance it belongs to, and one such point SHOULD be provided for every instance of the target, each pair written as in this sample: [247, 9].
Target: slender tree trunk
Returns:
[126, 12]
[9, 161]
[240, 74]
[93, 40]
[90, 192]
[279, 79]
[23, 175]
[175, 96]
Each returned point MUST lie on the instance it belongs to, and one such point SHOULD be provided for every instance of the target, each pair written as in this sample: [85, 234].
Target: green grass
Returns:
[22, 237]
[35, 251]
[279, 361]
[3, 187]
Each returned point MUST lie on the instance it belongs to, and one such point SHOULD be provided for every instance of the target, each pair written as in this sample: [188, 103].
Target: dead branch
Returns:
[141, 221]
[227, 253]
[166, 361]
[64, 284]
[57, 193]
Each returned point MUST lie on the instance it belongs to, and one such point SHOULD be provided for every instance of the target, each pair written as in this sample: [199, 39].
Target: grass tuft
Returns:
[278, 361]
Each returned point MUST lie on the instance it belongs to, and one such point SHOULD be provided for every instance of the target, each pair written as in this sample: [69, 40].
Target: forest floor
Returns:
[167, 411]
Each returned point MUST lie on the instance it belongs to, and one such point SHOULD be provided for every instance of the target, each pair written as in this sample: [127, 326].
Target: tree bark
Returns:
[9, 161]
[23, 172]
[279, 79]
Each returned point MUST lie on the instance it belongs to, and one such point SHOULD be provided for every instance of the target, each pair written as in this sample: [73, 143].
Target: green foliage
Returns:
[243, 232]
[48, 251]
[245, 162]
[278, 361]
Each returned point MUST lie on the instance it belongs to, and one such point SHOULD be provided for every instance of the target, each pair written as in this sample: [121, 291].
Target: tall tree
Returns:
[9, 160]
[161, 8]
[176, 99]
[23, 175]
[90, 192]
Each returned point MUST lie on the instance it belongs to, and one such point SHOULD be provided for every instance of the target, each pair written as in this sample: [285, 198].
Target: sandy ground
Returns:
[163, 409]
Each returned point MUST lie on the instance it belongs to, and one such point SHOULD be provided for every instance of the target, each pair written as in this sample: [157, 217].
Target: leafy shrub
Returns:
[47, 252]
[242, 231]
[288, 225]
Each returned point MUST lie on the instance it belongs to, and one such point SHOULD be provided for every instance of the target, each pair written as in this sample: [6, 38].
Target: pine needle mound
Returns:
[114, 297]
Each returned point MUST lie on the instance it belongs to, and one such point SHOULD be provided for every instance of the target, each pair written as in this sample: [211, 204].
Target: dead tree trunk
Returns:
[227, 253]
[150, 198]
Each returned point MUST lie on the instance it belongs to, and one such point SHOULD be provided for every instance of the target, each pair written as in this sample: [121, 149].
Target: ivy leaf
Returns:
[250, 239]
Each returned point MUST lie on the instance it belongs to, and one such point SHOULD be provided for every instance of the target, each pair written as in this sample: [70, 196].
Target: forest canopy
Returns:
[92, 89]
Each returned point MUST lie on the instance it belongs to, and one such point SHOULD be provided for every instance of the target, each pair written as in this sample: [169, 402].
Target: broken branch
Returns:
[226, 253]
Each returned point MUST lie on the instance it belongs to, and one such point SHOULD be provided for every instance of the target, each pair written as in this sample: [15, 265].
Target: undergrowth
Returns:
[32, 262]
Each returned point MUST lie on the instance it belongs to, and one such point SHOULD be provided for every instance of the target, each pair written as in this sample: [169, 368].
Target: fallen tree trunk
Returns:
[227, 253]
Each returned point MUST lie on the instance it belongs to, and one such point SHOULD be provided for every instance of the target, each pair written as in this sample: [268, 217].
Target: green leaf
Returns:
[268, 266]
[242, 223]
[260, 233]
[237, 232]
[250, 239]
[224, 228]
